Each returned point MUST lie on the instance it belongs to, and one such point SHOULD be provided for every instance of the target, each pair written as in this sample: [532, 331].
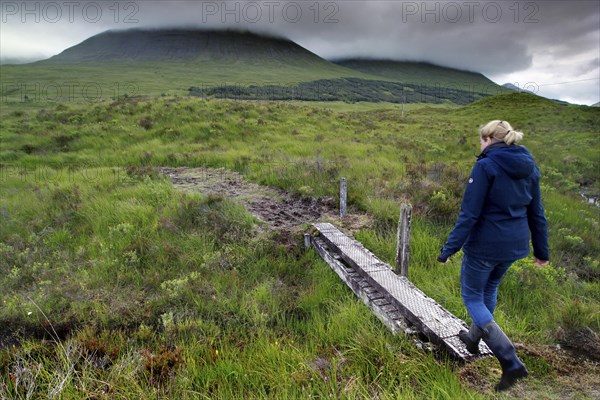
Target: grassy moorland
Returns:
[308, 78]
[114, 285]
[53, 81]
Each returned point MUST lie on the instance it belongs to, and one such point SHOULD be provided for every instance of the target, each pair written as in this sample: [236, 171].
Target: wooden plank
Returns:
[388, 307]
[437, 323]
[376, 296]
[364, 283]
[389, 319]
[381, 302]
[370, 289]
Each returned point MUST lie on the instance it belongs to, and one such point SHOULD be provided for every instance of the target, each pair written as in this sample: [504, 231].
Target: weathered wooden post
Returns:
[307, 240]
[343, 195]
[403, 101]
[403, 240]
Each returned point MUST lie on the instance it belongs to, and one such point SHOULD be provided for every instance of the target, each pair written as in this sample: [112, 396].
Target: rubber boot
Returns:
[471, 338]
[512, 368]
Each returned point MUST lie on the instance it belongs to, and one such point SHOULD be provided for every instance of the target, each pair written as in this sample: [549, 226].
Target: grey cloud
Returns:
[490, 36]
[474, 35]
[432, 31]
[588, 67]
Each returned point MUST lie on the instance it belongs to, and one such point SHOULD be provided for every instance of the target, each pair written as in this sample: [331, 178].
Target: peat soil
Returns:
[279, 210]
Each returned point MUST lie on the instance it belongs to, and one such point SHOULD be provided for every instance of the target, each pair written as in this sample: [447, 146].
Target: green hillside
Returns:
[184, 44]
[418, 73]
[227, 64]
[114, 285]
[49, 82]
[129, 63]
[389, 81]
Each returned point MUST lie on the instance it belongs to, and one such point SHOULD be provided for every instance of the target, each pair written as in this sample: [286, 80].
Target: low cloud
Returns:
[497, 38]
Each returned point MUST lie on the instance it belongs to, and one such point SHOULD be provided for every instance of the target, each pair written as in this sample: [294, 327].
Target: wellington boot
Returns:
[471, 338]
[512, 368]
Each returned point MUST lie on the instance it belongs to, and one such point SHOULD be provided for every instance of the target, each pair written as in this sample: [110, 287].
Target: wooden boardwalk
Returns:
[393, 298]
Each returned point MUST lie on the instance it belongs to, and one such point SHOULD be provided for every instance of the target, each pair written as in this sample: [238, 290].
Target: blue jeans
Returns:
[479, 281]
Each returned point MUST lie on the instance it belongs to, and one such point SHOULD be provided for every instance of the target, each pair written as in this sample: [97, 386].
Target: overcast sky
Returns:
[550, 47]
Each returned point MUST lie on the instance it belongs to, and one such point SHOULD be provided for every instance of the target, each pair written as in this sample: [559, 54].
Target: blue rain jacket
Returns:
[501, 206]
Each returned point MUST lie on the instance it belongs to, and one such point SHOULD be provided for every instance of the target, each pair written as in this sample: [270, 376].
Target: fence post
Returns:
[403, 240]
[307, 240]
[343, 195]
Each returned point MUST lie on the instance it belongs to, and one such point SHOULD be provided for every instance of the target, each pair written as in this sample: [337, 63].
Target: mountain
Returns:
[227, 56]
[420, 73]
[152, 62]
[143, 45]
[596, 105]
[232, 64]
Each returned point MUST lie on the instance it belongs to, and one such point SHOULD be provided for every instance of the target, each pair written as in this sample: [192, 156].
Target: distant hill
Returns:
[513, 102]
[419, 73]
[517, 89]
[143, 45]
[526, 111]
[514, 88]
[232, 64]
[167, 61]
[596, 105]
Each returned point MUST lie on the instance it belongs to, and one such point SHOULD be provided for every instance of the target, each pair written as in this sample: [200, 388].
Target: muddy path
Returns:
[278, 209]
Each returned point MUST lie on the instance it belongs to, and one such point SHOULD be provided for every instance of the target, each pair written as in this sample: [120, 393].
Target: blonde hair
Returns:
[502, 131]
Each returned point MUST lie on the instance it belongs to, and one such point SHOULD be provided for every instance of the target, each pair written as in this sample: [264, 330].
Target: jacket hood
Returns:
[515, 160]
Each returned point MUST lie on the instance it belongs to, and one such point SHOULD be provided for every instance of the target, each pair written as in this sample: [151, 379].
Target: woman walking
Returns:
[501, 210]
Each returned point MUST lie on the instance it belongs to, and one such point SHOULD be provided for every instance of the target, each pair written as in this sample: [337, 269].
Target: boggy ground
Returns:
[554, 373]
[575, 371]
[279, 210]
